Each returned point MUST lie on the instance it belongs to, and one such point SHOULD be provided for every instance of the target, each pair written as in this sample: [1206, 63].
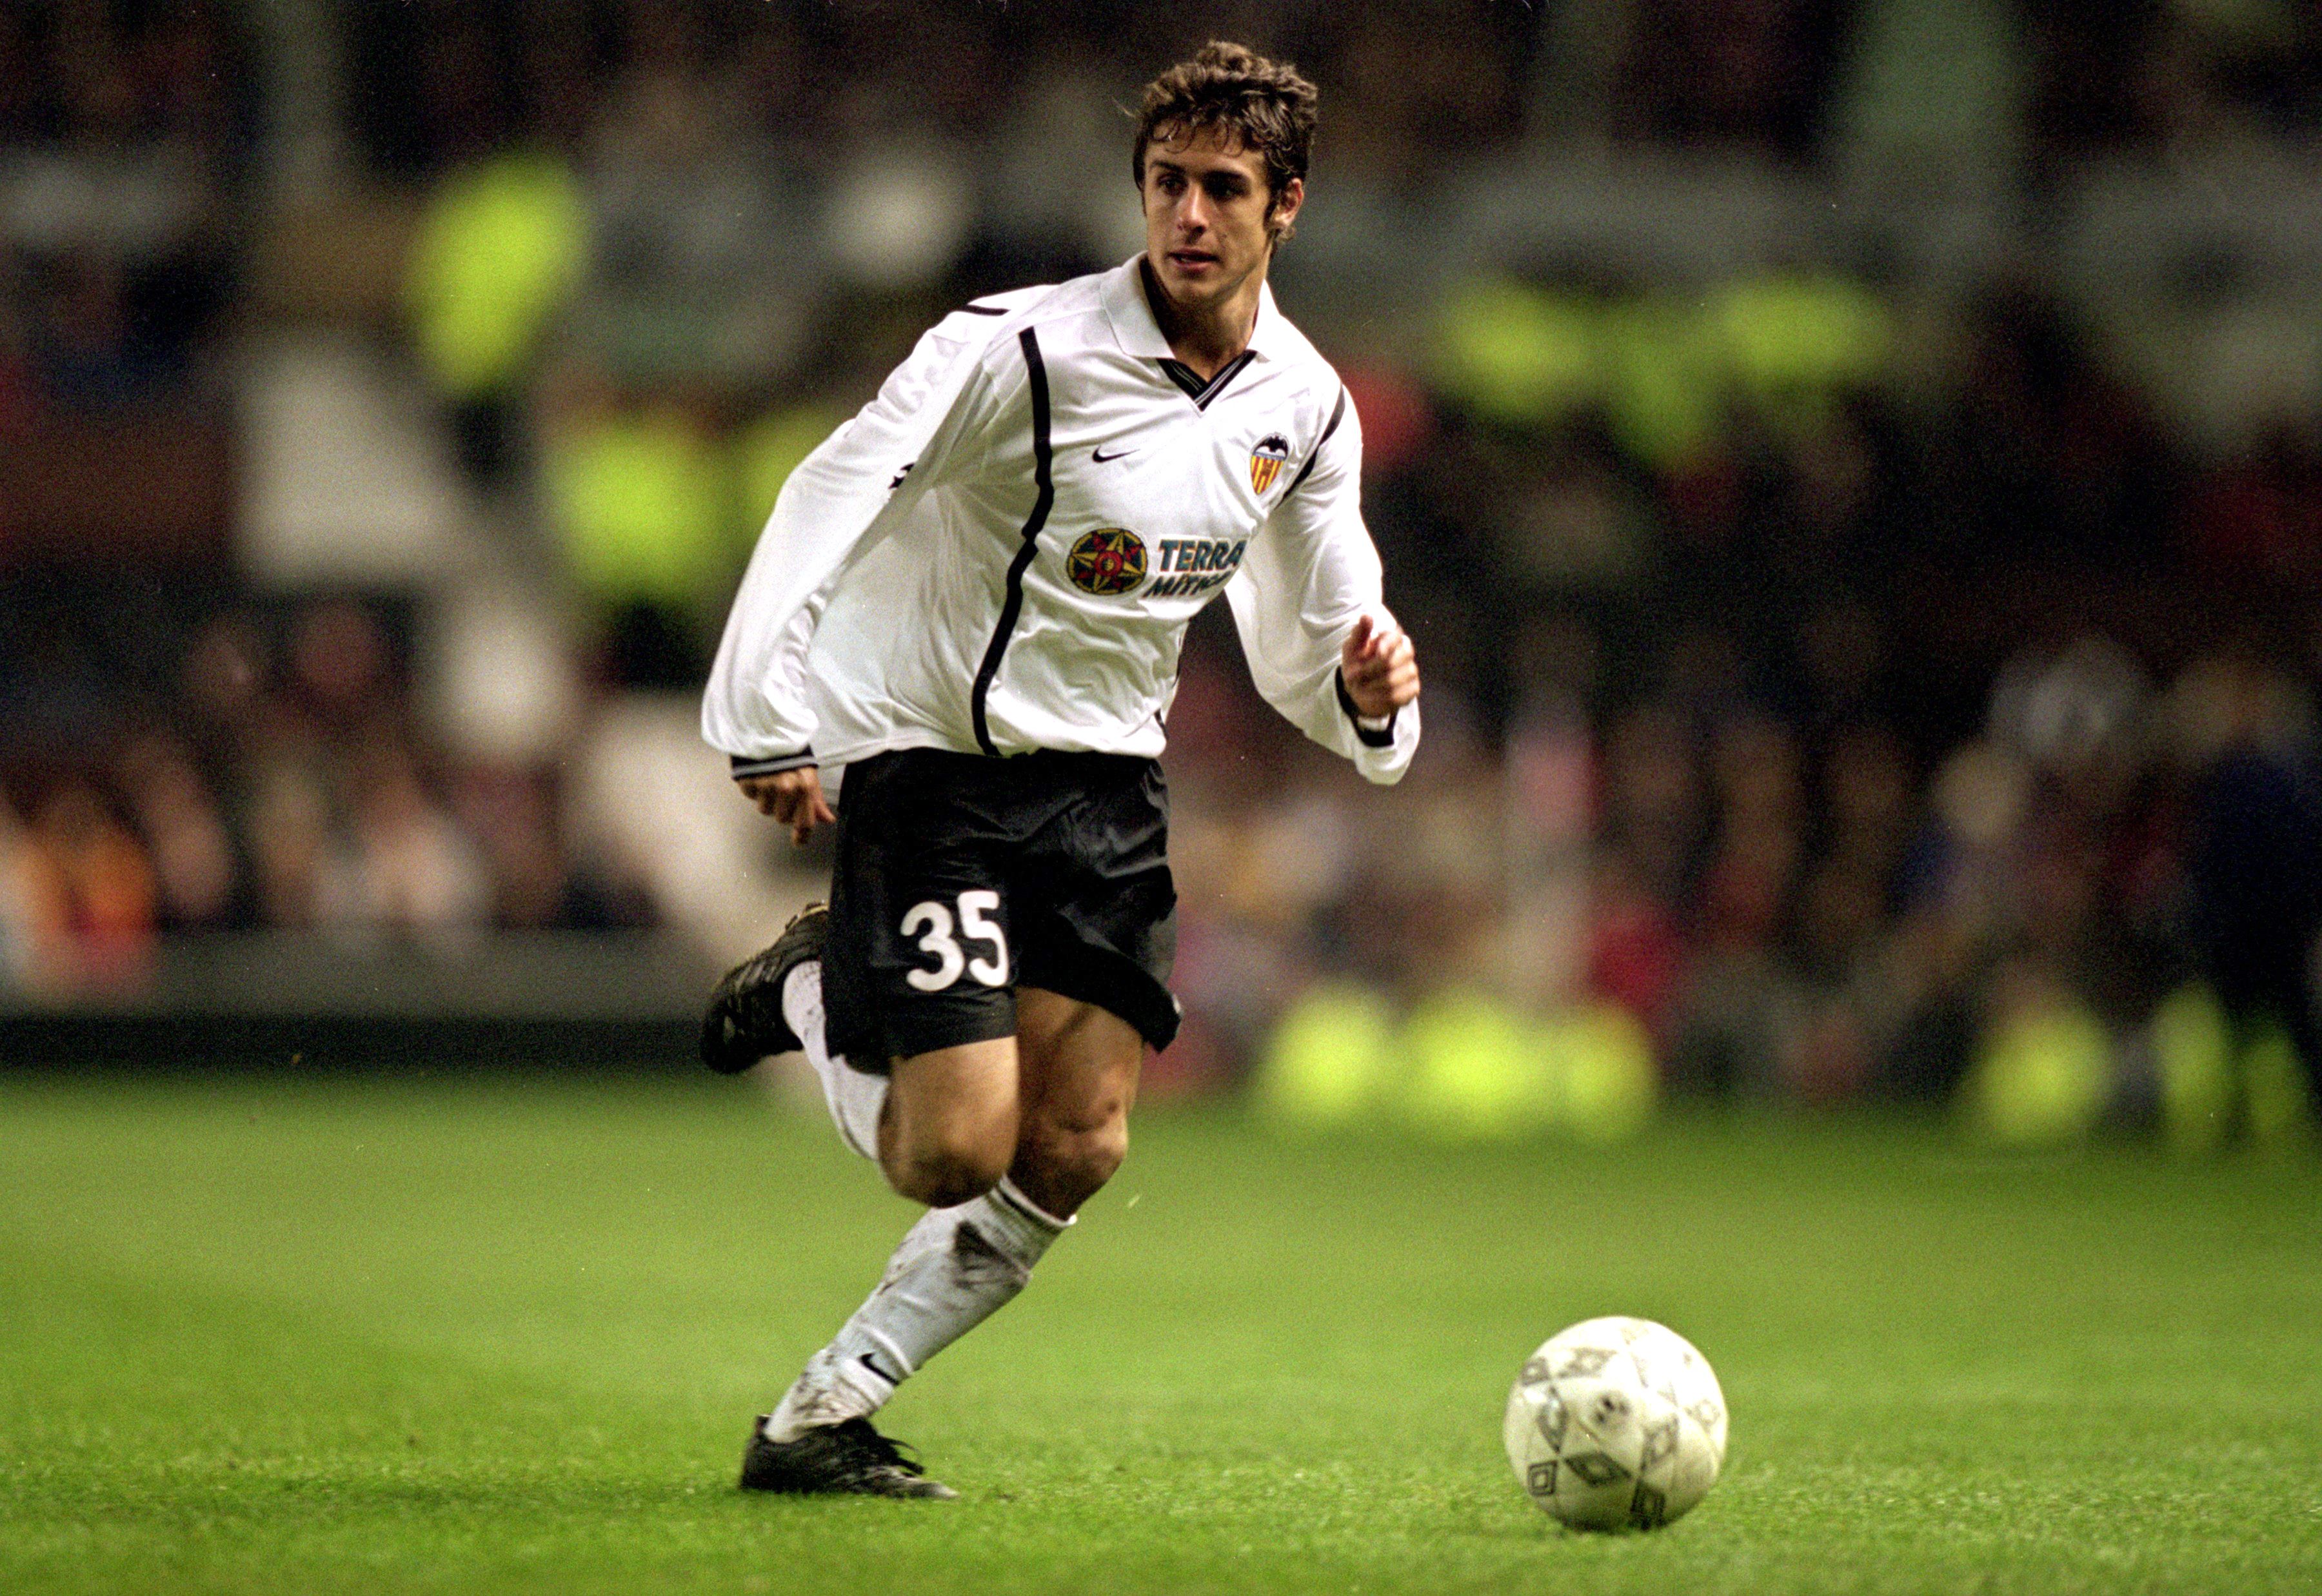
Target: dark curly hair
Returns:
[1231, 89]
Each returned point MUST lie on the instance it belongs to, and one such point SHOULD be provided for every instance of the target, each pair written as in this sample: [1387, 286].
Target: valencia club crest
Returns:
[1267, 461]
[1108, 561]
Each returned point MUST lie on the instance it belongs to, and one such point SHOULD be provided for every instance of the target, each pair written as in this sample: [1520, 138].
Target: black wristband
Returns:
[1382, 738]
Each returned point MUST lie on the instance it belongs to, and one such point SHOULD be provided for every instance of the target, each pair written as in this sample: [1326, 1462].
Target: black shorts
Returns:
[961, 878]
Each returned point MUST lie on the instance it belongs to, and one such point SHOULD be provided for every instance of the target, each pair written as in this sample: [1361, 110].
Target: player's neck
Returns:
[1206, 338]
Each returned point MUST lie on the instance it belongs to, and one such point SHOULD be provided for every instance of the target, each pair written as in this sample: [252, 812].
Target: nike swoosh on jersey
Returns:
[1100, 456]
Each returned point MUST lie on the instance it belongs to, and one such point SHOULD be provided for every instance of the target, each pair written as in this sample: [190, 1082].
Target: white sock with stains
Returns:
[956, 1268]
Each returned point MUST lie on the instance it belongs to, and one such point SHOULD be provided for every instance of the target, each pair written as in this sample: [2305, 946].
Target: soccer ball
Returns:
[1615, 1424]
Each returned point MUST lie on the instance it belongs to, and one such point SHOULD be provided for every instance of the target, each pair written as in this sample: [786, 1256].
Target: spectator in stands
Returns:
[2255, 856]
[407, 868]
[95, 888]
[196, 877]
[32, 929]
[292, 854]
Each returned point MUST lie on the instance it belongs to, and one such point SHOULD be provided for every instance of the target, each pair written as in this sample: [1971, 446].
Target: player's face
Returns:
[1207, 226]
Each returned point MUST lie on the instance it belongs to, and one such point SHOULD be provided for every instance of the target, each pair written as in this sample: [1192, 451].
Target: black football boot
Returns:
[744, 1023]
[844, 1459]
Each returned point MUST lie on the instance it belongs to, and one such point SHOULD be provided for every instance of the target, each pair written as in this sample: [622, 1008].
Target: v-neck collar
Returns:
[1138, 333]
[1201, 392]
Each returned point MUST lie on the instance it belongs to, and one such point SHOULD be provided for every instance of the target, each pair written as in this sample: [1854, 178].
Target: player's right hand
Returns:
[1379, 667]
[793, 797]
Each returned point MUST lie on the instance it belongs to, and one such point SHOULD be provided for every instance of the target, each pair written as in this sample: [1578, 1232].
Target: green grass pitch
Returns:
[419, 1335]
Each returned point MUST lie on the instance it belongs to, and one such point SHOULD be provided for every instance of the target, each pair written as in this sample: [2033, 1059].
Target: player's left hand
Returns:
[1380, 667]
[793, 799]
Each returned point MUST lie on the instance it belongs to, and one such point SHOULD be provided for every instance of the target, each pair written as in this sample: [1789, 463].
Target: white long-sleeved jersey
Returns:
[1001, 552]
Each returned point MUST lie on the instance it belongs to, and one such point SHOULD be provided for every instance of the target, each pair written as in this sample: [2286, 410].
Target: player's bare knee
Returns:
[948, 1170]
[941, 1186]
[1074, 1161]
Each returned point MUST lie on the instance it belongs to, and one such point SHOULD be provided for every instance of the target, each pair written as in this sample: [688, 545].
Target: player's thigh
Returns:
[951, 1126]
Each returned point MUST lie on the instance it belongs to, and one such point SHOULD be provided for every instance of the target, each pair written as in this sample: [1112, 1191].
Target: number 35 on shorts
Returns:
[931, 922]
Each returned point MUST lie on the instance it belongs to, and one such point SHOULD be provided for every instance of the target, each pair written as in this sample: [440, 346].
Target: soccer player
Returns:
[970, 601]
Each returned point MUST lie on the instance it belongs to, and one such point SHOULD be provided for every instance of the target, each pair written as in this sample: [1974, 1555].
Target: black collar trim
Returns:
[1201, 392]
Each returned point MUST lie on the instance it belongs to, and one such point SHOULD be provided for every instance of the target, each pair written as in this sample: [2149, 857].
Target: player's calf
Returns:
[955, 1269]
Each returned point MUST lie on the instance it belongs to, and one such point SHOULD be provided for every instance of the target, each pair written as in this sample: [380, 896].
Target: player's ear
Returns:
[1283, 212]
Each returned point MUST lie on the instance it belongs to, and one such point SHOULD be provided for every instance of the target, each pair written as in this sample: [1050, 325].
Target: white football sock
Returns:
[956, 1268]
[855, 1098]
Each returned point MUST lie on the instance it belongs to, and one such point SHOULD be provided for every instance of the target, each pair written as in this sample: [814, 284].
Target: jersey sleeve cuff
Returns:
[1368, 731]
[772, 764]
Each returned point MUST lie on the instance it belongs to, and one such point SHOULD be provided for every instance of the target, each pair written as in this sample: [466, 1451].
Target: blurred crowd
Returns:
[2098, 905]
[1945, 737]
[1837, 684]
[248, 770]
[689, 215]
[1410, 83]
[127, 138]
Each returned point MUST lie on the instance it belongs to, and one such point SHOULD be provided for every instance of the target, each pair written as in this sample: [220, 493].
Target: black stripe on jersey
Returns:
[985, 310]
[1201, 392]
[1337, 414]
[1012, 606]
